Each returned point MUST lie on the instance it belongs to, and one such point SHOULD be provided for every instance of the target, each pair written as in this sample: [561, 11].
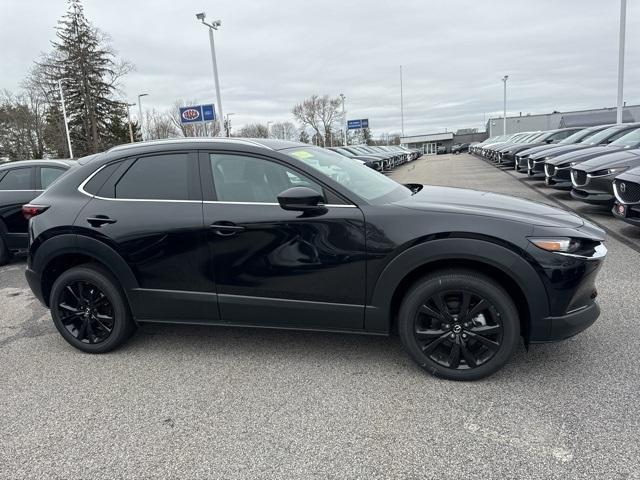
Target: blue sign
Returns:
[197, 113]
[357, 124]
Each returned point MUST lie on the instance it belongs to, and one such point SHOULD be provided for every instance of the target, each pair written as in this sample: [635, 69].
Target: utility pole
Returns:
[623, 21]
[401, 103]
[344, 121]
[64, 115]
[129, 120]
[504, 119]
[214, 26]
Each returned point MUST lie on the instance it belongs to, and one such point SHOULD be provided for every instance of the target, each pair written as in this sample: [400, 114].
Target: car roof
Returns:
[268, 143]
[36, 163]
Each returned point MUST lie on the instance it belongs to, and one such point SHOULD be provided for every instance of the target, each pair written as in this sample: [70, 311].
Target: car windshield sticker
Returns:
[302, 155]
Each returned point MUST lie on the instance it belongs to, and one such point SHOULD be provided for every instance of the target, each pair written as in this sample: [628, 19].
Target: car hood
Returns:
[582, 155]
[632, 175]
[622, 158]
[463, 201]
[526, 146]
[558, 150]
[542, 148]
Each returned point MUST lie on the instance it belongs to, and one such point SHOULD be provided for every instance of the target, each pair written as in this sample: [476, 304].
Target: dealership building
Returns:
[430, 142]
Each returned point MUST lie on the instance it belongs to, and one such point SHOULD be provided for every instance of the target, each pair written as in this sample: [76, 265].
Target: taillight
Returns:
[30, 210]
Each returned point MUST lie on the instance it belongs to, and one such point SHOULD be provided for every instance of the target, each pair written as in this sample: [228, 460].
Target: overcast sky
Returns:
[559, 54]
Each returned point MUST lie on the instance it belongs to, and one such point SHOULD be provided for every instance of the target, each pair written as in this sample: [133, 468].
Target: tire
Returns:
[454, 342]
[5, 254]
[90, 310]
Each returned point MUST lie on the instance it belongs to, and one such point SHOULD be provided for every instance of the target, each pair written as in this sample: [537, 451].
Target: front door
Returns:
[274, 267]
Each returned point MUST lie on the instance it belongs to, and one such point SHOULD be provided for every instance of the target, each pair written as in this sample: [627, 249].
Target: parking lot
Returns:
[197, 402]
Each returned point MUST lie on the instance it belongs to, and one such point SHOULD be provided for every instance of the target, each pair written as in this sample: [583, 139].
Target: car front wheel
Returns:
[459, 325]
[89, 309]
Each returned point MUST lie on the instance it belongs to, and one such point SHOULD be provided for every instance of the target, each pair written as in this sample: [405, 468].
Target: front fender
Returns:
[378, 312]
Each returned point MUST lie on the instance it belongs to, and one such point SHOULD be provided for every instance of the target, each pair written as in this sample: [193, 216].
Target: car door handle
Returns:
[100, 220]
[226, 229]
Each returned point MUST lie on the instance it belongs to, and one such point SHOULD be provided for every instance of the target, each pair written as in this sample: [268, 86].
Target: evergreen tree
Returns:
[89, 72]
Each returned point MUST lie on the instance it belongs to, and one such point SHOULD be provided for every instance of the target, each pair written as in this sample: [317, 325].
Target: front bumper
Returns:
[593, 197]
[631, 213]
[570, 324]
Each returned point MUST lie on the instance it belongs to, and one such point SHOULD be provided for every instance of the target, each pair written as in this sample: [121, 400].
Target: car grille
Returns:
[579, 177]
[627, 192]
[549, 170]
[563, 174]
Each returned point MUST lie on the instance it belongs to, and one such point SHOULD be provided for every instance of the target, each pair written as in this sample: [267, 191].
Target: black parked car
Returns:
[370, 161]
[460, 147]
[626, 188]
[507, 155]
[593, 180]
[557, 170]
[268, 233]
[578, 140]
[21, 182]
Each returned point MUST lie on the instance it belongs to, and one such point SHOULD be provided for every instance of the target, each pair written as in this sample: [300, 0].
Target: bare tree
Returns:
[254, 130]
[284, 131]
[160, 125]
[320, 114]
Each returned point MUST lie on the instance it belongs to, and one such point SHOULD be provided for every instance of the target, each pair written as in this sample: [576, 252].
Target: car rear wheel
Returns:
[89, 310]
[459, 325]
[5, 254]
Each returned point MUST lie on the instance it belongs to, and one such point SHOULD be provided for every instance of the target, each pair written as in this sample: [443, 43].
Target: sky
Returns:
[559, 55]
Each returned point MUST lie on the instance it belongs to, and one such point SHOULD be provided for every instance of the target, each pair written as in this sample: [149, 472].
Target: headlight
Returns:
[616, 170]
[573, 164]
[555, 244]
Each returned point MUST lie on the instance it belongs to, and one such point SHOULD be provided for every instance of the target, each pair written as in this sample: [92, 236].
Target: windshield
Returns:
[603, 135]
[344, 152]
[577, 137]
[365, 182]
[631, 139]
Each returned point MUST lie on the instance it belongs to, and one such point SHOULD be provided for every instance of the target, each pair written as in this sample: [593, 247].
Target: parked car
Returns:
[441, 150]
[507, 155]
[388, 160]
[593, 180]
[459, 148]
[490, 151]
[557, 170]
[369, 160]
[626, 188]
[21, 182]
[577, 141]
[269, 233]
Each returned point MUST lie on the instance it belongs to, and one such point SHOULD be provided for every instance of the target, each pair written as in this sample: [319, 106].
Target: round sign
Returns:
[190, 114]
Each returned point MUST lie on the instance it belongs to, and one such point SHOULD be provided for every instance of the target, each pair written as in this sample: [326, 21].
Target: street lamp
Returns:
[228, 124]
[129, 120]
[269, 129]
[213, 26]
[344, 121]
[623, 21]
[140, 113]
[64, 115]
[504, 119]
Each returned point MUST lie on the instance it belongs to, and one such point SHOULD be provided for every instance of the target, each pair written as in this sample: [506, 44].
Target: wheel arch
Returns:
[498, 262]
[62, 252]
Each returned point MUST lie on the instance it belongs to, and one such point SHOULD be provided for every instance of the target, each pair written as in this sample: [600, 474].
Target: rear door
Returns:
[17, 187]
[150, 210]
[273, 267]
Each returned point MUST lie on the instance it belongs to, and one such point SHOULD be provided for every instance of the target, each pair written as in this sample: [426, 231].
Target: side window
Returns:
[247, 179]
[94, 185]
[158, 177]
[17, 179]
[48, 175]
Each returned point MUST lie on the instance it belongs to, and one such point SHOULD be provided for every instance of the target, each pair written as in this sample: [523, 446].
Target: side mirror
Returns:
[549, 140]
[300, 199]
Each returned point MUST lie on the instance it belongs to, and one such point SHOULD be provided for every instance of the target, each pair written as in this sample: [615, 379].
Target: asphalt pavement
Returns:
[183, 402]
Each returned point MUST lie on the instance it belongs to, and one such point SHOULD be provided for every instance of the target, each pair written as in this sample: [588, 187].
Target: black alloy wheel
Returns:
[86, 312]
[90, 310]
[459, 324]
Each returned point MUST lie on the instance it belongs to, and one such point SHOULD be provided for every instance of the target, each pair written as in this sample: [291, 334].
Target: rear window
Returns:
[48, 175]
[158, 177]
[17, 179]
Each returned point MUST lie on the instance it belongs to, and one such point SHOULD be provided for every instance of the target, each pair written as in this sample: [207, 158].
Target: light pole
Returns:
[214, 26]
[344, 121]
[228, 123]
[64, 114]
[269, 129]
[623, 20]
[504, 119]
[129, 120]
[401, 103]
[140, 113]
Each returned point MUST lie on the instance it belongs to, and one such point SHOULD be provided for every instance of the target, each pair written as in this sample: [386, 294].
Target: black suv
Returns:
[268, 233]
[21, 182]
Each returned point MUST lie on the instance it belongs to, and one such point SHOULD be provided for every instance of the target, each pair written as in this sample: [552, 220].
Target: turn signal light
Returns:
[552, 244]
[30, 211]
